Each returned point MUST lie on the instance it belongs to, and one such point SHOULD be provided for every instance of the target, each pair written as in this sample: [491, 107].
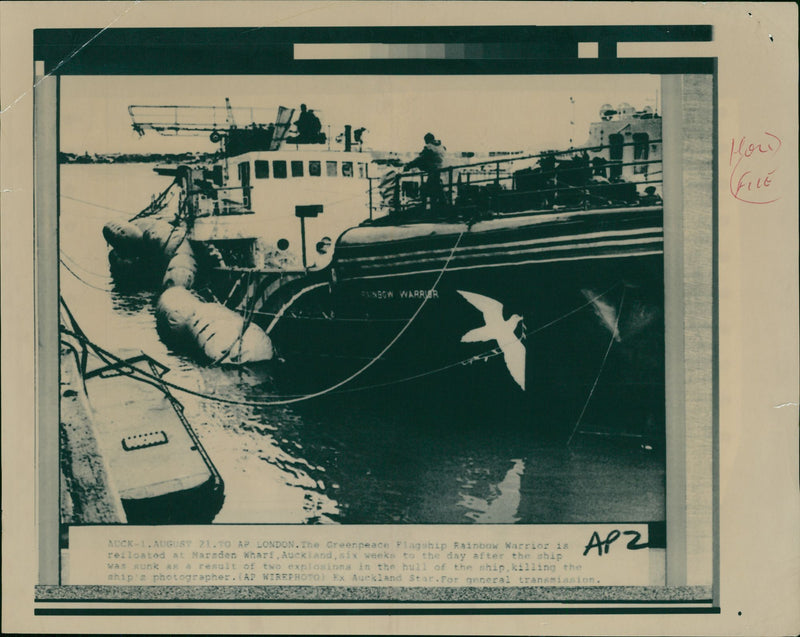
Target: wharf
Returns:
[87, 494]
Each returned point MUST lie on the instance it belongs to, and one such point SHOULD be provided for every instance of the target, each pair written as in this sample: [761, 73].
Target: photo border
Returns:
[106, 53]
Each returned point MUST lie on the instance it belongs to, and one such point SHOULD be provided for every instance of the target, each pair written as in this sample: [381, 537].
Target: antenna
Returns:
[572, 122]
[229, 111]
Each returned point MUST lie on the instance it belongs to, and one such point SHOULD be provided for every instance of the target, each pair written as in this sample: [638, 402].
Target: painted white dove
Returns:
[498, 329]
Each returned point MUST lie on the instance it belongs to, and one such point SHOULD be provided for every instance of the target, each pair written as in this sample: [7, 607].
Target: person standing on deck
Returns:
[430, 160]
[308, 127]
[302, 124]
[314, 128]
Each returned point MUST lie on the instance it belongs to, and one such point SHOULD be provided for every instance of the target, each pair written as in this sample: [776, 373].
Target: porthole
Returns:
[323, 245]
[283, 244]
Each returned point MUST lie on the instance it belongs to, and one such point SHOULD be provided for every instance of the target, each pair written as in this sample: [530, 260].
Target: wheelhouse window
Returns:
[361, 170]
[330, 168]
[314, 169]
[262, 169]
[297, 169]
[279, 169]
[347, 169]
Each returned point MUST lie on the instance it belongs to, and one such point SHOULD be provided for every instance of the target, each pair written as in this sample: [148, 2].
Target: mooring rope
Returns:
[246, 320]
[155, 206]
[83, 268]
[96, 205]
[602, 365]
[96, 287]
[496, 351]
[249, 311]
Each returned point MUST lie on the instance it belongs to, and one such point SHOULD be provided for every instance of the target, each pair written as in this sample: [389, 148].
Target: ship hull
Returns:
[389, 321]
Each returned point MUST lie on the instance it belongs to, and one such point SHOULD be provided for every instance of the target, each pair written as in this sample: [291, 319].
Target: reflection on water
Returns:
[350, 458]
[502, 503]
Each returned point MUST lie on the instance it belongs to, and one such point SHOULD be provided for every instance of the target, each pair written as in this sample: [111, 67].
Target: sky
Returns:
[468, 113]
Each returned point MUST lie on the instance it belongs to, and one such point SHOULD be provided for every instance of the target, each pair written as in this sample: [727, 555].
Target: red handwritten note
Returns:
[754, 162]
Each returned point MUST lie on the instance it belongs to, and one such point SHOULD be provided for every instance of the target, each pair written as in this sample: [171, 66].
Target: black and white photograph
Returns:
[398, 312]
[386, 300]
[379, 302]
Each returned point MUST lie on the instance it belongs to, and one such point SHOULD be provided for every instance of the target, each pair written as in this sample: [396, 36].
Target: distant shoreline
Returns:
[134, 158]
[393, 159]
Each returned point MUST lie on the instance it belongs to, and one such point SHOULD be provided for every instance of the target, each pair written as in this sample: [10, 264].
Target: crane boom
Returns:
[173, 120]
[196, 120]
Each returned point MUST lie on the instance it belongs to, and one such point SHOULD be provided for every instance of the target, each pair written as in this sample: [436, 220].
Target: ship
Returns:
[530, 285]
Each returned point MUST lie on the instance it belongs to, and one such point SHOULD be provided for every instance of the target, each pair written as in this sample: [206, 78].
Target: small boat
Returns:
[154, 459]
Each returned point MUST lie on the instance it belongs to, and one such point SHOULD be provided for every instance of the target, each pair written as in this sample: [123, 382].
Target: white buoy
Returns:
[216, 331]
[126, 238]
[162, 239]
[174, 312]
[254, 346]
[182, 268]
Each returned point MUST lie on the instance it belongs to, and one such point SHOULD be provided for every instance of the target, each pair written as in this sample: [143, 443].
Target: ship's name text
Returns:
[400, 294]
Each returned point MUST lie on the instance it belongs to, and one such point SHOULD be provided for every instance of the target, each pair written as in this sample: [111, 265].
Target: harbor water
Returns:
[346, 458]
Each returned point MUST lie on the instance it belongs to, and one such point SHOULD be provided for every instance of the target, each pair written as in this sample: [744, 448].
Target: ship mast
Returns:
[229, 113]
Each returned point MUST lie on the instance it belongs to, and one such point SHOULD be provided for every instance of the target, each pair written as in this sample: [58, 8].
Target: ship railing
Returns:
[575, 178]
